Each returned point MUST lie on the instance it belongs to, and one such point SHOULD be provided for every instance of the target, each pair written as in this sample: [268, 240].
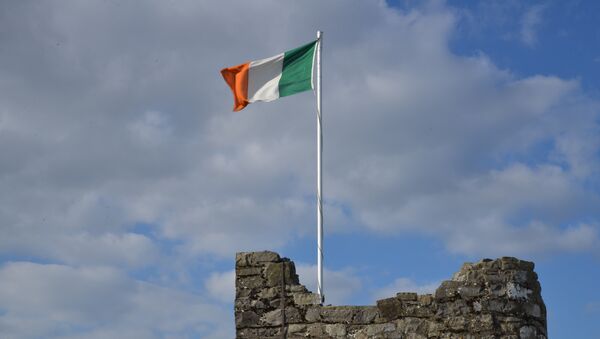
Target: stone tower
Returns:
[490, 299]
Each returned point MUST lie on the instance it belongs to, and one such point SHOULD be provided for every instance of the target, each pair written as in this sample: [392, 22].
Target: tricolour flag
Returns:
[271, 78]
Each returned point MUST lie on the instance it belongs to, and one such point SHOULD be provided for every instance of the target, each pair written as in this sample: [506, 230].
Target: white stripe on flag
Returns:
[263, 78]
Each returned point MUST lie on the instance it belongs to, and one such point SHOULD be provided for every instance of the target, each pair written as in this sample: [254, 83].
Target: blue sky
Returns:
[454, 131]
[561, 40]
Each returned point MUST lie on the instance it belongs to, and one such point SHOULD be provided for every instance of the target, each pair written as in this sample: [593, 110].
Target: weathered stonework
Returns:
[490, 299]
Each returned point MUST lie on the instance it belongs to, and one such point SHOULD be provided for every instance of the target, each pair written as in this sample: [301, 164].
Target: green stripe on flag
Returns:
[297, 70]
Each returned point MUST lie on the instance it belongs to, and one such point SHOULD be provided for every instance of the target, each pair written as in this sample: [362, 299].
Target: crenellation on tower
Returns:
[489, 299]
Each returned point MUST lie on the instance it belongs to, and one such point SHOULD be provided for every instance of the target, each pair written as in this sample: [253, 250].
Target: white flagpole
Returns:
[319, 177]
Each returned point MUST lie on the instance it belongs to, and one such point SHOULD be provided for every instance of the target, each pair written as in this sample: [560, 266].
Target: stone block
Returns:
[243, 303]
[379, 329]
[365, 315]
[447, 290]
[242, 292]
[246, 271]
[257, 304]
[241, 259]
[390, 308]
[528, 332]
[336, 314]
[246, 319]
[256, 258]
[274, 272]
[533, 310]
[335, 330]
[269, 293]
[315, 330]
[495, 305]
[481, 323]
[250, 282]
[516, 291]
[313, 314]
[296, 329]
[425, 299]
[273, 318]
[412, 325]
[458, 323]
[306, 298]
[469, 292]
[407, 296]
[296, 288]
[293, 316]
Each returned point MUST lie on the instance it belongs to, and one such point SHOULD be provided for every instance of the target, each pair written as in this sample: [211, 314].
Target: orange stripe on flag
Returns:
[237, 79]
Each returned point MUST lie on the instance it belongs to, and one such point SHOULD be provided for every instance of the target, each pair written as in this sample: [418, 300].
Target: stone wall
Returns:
[490, 299]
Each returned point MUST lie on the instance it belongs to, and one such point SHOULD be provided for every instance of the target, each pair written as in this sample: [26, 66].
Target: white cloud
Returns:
[150, 139]
[114, 115]
[530, 22]
[152, 129]
[221, 286]
[339, 285]
[93, 302]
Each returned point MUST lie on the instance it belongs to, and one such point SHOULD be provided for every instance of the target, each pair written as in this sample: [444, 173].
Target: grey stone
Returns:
[489, 299]
[257, 304]
[365, 315]
[265, 256]
[335, 330]
[246, 319]
[242, 292]
[528, 332]
[269, 293]
[533, 310]
[456, 323]
[296, 288]
[246, 271]
[313, 314]
[296, 328]
[272, 318]
[292, 315]
[390, 308]
[336, 314]
[241, 259]
[425, 299]
[305, 298]
[250, 282]
[516, 291]
[407, 296]
[447, 290]
[412, 325]
[380, 328]
[484, 322]
[315, 330]
[469, 292]
[274, 272]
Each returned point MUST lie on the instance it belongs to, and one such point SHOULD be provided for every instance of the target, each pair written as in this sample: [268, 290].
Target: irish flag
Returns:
[267, 79]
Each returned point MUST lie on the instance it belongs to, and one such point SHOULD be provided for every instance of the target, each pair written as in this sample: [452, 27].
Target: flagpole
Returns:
[319, 177]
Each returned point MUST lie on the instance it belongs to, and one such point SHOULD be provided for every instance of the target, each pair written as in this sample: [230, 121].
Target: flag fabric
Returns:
[268, 79]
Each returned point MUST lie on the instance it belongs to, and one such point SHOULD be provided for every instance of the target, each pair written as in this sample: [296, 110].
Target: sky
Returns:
[453, 131]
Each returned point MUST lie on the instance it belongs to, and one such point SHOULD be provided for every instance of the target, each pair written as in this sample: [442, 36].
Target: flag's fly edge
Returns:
[237, 79]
